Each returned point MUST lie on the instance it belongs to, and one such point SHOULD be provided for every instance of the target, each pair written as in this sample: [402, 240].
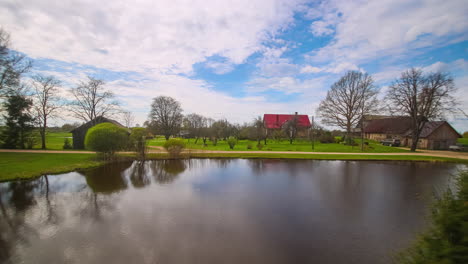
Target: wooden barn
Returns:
[79, 133]
[435, 134]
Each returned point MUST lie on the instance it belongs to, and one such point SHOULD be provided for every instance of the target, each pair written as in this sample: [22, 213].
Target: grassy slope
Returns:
[284, 145]
[28, 165]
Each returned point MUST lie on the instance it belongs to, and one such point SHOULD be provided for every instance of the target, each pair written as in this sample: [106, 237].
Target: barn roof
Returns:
[392, 125]
[97, 120]
[278, 120]
[401, 125]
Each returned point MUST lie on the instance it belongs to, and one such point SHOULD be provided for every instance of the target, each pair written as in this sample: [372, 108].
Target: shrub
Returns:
[260, 146]
[327, 138]
[338, 139]
[231, 142]
[215, 141]
[174, 146]
[106, 138]
[137, 142]
[249, 146]
[67, 144]
[445, 241]
[465, 134]
[30, 141]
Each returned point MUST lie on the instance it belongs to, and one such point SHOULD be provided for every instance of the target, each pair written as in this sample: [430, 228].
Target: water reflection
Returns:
[213, 211]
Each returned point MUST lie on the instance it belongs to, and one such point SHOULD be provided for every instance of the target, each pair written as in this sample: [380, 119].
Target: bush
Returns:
[231, 142]
[260, 146]
[249, 146]
[106, 138]
[327, 137]
[446, 240]
[67, 144]
[174, 146]
[215, 141]
[338, 139]
[465, 134]
[137, 142]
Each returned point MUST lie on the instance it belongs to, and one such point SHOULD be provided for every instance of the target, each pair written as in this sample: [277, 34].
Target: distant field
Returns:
[272, 145]
[463, 141]
[54, 140]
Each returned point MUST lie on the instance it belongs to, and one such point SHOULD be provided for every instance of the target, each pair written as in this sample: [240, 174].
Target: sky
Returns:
[242, 58]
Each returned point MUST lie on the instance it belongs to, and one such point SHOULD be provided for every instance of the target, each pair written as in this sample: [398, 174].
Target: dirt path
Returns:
[156, 149]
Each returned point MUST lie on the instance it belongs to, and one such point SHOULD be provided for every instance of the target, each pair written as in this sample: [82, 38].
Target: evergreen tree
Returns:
[18, 121]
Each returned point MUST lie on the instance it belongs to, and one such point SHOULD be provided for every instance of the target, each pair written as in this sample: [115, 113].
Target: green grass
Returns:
[463, 141]
[54, 140]
[29, 165]
[298, 145]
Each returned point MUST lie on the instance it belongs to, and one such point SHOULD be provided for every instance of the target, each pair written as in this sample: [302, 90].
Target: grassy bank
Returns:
[284, 145]
[28, 165]
[312, 157]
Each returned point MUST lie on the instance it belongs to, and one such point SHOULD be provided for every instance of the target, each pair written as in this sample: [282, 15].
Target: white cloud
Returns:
[158, 36]
[310, 69]
[371, 29]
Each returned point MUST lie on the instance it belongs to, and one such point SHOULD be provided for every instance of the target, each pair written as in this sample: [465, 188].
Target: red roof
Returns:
[277, 121]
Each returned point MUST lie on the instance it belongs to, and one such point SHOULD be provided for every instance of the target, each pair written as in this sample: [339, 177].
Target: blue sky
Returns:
[239, 59]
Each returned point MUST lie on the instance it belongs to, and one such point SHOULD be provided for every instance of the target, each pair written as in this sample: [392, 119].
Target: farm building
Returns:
[79, 133]
[435, 134]
[276, 121]
[273, 122]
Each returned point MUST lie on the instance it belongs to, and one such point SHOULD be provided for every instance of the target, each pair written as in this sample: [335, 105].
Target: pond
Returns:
[220, 211]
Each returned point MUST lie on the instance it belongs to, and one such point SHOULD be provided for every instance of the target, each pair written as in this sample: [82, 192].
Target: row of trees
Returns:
[418, 95]
[32, 101]
[166, 119]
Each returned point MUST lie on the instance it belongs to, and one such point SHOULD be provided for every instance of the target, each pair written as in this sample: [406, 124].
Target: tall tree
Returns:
[165, 116]
[128, 118]
[18, 121]
[422, 97]
[92, 100]
[259, 129]
[46, 102]
[351, 97]
[12, 65]
[291, 127]
[194, 123]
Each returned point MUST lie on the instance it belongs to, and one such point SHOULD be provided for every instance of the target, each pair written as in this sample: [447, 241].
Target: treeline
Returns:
[31, 101]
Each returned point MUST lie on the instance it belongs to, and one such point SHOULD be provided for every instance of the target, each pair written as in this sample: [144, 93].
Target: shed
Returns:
[79, 133]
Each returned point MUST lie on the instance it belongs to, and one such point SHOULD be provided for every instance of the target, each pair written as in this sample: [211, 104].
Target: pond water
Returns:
[219, 211]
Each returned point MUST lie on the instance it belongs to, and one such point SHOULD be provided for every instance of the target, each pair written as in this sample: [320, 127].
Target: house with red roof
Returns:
[277, 121]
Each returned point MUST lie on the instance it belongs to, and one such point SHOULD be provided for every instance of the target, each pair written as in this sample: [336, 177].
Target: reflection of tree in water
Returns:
[18, 196]
[107, 179]
[166, 171]
[223, 163]
[139, 174]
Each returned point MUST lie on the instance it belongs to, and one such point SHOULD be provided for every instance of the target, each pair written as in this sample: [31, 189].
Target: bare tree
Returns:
[291, 127]
[422, 97]
[259, 129]
[351, 97]
[165, 116]
[195, 123]
[92, 100]
[128, 118]
[46, 102]
[12, 65]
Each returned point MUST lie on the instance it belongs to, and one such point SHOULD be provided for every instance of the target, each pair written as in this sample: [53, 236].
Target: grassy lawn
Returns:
[463, 141]
[272, 145]
[28, 165]
[54, 140]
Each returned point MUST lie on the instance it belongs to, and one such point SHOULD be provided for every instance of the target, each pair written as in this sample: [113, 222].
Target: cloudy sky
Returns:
[238, 59]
